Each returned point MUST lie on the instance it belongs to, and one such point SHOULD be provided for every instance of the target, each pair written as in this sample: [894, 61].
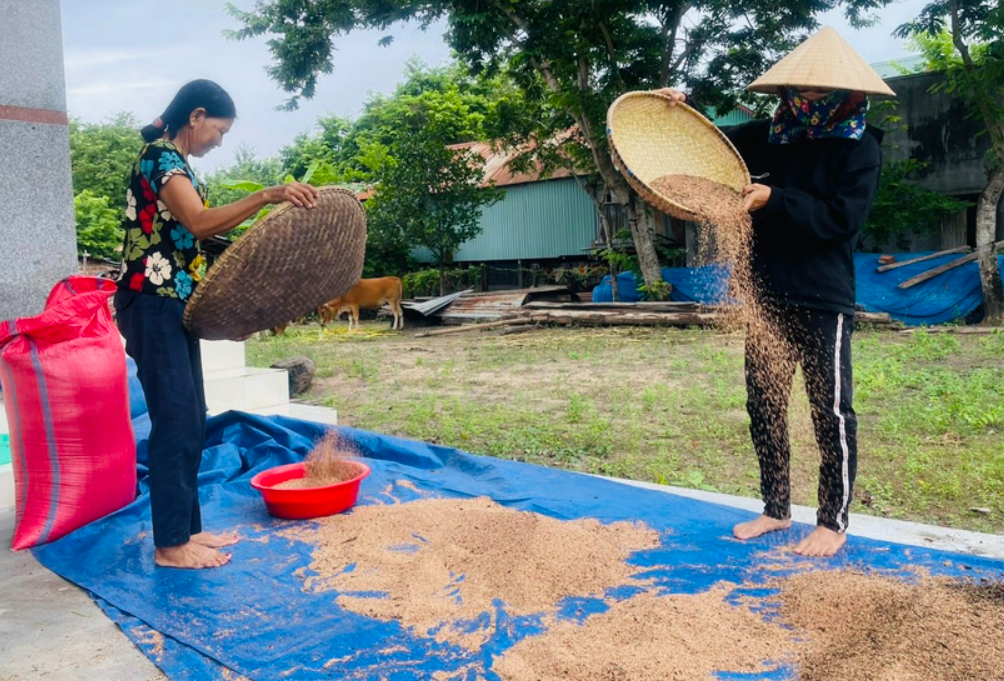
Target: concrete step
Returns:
[246, 389]
[301, 411]
[6, 486]
[222, 356]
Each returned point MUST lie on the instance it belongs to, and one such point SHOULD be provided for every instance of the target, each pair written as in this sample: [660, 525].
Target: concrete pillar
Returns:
[38, 243]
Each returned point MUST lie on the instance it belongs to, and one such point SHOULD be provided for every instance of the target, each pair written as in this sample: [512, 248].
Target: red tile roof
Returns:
[497, 166]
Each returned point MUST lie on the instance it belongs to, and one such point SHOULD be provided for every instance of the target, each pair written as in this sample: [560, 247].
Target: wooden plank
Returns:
[959, 330]
[470, 327]
[931, 274]
[522, 328]
[950, 251]
[616, 318]
[626, 307]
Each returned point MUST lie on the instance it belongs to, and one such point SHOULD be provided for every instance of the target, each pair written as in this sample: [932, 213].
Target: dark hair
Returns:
[204, 94]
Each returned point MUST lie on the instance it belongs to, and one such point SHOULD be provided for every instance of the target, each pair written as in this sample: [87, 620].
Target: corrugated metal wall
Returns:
[734, 117]
[542, 220]
[535, 221]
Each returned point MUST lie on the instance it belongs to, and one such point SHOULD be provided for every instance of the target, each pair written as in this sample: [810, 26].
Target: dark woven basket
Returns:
[649, 139]
[286, 265]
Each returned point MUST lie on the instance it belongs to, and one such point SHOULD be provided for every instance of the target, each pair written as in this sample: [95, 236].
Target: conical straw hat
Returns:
[823, 61]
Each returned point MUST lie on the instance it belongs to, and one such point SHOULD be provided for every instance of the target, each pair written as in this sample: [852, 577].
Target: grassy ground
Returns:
[668, 406]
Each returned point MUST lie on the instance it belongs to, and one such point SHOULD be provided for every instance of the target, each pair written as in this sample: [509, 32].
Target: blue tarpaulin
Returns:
[254, 619]
[954, 295]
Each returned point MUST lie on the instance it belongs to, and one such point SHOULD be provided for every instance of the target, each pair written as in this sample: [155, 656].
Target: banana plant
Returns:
[250, 187]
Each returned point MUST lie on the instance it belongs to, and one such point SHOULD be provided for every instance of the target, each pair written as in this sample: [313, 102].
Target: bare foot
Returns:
[761, 525]
[215, 541]
[821, 543]
[190, 556]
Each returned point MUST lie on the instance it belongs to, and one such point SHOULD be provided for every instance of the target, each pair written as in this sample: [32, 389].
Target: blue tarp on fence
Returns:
[954, 295]
[254, 618]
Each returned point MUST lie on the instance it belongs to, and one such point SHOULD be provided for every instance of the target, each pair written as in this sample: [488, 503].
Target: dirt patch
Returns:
[869, 627]
[450, 560]
[652, 638]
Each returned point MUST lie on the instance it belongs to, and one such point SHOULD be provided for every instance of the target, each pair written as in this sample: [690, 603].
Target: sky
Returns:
[133, 55]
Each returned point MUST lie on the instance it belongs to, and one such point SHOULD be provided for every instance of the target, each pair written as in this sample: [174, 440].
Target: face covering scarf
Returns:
[840, 114]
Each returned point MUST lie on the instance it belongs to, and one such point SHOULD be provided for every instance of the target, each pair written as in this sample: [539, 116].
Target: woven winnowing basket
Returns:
[286, 265]
[650, 138]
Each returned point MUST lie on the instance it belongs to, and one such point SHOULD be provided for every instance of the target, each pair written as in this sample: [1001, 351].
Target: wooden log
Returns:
[662, 306]
[958, 330]
[950, 251]
[618, 318]
[880, 319]
[931, 274]
[472, 327]
[522, 328]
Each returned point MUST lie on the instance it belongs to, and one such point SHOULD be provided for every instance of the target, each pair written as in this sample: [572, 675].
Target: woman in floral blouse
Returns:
[166, 218]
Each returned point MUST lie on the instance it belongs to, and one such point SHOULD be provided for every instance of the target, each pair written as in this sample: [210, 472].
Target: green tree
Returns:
[570, 60]
[324, 146]
[99, 225]
[902, 207]
[431, 195]
[972, 61]
[446, 104]
[247, 167]
[102, 155]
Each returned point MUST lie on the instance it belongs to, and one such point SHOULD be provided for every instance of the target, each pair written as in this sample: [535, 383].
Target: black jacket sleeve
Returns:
[838, 216]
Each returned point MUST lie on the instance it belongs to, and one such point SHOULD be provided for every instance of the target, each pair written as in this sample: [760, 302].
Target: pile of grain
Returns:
[652, 638]
[328, 463]
[449, 560]
[868, 627]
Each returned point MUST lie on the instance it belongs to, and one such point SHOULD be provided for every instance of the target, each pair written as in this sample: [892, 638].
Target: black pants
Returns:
[169, 367]
[821, 342]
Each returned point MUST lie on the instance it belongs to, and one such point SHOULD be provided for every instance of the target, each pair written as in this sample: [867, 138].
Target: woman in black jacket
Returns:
[819, 164]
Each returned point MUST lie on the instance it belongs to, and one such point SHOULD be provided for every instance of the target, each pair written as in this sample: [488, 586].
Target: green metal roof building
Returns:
[538, 219]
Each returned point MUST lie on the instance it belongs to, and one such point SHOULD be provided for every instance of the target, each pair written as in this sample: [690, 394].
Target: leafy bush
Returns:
[426, 282]
[99, 225]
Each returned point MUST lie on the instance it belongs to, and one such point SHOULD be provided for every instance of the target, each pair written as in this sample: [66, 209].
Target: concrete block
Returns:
[37, 225]
[304, 412]
[51, 630]
[221, 356]
[6, 487]
[246, 389]
[31, 51]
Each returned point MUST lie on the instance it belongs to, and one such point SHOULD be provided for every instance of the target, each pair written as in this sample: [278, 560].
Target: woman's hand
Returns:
[674, 95]
[756, 195]
[297, 193]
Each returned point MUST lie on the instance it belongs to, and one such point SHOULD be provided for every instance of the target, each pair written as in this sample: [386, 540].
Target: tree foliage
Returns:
[903, 207]
[973, 68]
[99, 225]
[246, 167]
[430, 195]
[570, 60]
[102, 155]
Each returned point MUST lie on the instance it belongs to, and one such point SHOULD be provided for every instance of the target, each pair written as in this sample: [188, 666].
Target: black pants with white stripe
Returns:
[819, 341]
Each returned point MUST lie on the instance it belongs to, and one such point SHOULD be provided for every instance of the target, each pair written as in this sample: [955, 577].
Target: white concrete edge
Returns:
[871, 527]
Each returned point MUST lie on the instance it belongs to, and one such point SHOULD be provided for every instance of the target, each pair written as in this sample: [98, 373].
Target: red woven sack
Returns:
[63, 375]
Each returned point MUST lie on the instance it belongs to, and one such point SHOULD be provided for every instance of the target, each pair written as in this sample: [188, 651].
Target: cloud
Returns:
[87, 59]
[102, 89]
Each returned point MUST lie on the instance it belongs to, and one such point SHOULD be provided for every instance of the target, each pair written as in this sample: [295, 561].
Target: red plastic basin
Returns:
[308, 502]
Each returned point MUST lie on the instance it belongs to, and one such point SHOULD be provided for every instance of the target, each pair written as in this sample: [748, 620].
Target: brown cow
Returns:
[368, 294]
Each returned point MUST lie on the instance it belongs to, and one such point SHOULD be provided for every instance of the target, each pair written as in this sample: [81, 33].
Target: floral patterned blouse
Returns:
[160, 256]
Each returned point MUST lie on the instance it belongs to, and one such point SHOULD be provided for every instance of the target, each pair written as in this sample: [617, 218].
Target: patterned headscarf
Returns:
[839, 114]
